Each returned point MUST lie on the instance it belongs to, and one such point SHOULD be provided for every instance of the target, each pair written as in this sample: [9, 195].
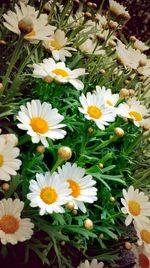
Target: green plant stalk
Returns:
[12, 63]
[21, 68]
[58, 162]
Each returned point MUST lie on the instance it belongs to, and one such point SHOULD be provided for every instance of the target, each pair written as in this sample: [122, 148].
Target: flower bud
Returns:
[101, 165]
[113, 24]
[88, 15]
[63, 243]
[126, 82]
[74, 212]
[88, 224]
[100, 37]
[142, 62]
[101, 236]
[64, 153]
[25, 25]
[94, 5]
[131, 92]
[119, 132]
[3, 42]
[132, 38]
[112, 199]
[48, 79]
[102, 71]
[125, 119]
[90, 130]
[89, 4]
[69, 205]
[112, 43]
[124, 92]
[128, 245]
[1, 86]
[5, 186]
[146, 126]
[40, 149]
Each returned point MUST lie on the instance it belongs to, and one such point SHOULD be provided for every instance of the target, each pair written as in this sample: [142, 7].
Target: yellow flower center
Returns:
[1, 160]
[94, 112]
[49, 195]
[135, 115]
[56, 45]
[134, 208]
[61, 72]
[9, 224]
[145, 236]
[31, 34]
[109, 103]
[39, 125]
[74, 187]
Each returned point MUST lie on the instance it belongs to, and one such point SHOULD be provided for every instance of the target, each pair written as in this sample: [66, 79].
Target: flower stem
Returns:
[12, 63]
[58, 162]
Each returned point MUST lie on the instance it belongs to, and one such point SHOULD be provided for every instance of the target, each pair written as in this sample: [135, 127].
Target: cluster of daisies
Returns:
[69, 184]
[137, 206]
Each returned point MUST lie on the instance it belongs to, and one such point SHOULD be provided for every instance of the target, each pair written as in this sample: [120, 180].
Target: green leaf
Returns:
[13, 185]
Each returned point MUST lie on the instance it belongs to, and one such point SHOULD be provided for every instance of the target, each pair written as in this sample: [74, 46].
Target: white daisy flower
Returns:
[81, 185]
[143, 233]
[89, 47]
[145, 70]
[140, 45]
[118, 9]
[94, 264]
[134, 110]
[8, 159]
[59, 72]
[13, 229]
[57, 45]
[10, 138]
[26, 16]
[93, 107]
[142, 258]
[41, 121]
[48, 193]
[136, 205]
[129, 57]
[109, 98]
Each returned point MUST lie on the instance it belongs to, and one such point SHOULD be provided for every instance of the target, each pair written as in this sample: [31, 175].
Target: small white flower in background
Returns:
[48, 193]
[142, 258]
[41, 121]
[134, 110]
[81, 185]
[76, 20]
[10, 138]
[93, 108]
[118, 9]
[140, 45]
[101, 20]
[109, 98]
[143, 233]
[129, 57]
[27, 17]
[94, 264]
[89, 47]
[8, 158]
[23, 1]
[145, 70]
[59, 72]
[136, 205]
[13, 228]
[57, 45]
